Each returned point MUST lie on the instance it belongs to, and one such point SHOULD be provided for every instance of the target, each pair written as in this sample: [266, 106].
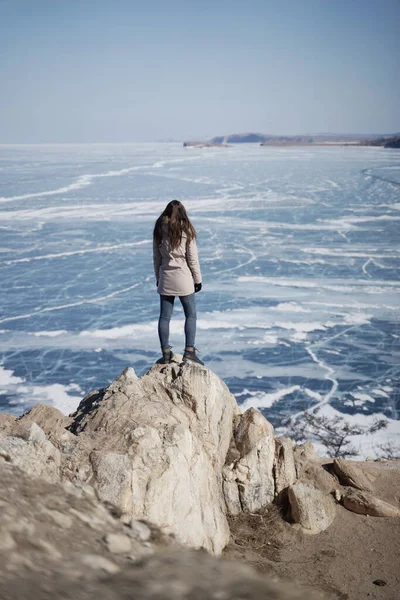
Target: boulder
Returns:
[365, 503]
[314, 472]
[253, 471]
[310, 508]
[350, 475]
[158, 447]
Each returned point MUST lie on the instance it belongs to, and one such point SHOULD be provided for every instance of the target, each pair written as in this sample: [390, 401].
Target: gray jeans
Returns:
[166, 308]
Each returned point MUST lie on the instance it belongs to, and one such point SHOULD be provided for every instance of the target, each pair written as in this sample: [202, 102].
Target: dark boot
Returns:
[191, 355]
[166, 357]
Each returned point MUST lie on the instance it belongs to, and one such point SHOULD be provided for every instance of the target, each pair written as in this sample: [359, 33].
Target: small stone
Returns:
[5, 455]
[46, 547]
[63, 521]
[87, 489]
[22, 526]
[380, 582]
[93, 522]
[6, 541]
[140, 531]
[18, 561]
[100, 563]
[118, 543]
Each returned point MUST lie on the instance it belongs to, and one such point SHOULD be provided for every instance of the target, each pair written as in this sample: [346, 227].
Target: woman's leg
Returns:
[189, 307]
[166, 308]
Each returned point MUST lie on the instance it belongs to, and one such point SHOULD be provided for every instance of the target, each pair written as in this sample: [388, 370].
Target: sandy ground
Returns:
[344, 561]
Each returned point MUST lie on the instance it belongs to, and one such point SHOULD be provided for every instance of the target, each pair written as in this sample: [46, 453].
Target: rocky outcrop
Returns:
[154, 447]
[173, 448]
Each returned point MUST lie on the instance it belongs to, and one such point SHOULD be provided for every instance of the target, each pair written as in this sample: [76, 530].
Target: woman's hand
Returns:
[197, 287]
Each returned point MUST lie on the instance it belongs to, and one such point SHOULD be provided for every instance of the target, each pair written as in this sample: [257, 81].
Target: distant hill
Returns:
[239, 138]
[392, 141]
[266, 139]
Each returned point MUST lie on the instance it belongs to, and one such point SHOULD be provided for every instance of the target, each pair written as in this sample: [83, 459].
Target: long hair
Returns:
[178, 222]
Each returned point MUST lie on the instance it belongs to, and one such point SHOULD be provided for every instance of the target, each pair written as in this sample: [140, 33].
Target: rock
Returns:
[310, 508]
[7, 423]
[118, 543]
[233, 454]
[6, 541]
[138, 442]
[127, 376]
[364, 503]
[40, 460]
[253, 472]
[165, 435]
[284, 465]
[62, 520]
[140, 531]
[314, 472]
[113, 477]
[231, 492]
[46, 547]
[36, 435]
[305, 451]
[100, 563]
[22, 526]
[93, 521]
[350, 475]
[48, 418]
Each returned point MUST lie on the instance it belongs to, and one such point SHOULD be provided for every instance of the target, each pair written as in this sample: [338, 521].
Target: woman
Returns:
[177, 271]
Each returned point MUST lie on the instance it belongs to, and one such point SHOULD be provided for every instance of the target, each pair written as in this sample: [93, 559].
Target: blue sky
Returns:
[128, 70]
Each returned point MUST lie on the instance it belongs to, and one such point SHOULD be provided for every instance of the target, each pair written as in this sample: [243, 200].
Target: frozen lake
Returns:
[300, 253]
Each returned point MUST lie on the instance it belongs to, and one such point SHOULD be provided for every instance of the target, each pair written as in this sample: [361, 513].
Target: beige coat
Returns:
[176, 270]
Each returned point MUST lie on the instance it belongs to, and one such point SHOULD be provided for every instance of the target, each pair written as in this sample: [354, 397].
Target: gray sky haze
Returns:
[128, 70]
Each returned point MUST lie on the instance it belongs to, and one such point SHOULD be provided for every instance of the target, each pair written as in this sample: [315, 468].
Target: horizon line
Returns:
[199, 138]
